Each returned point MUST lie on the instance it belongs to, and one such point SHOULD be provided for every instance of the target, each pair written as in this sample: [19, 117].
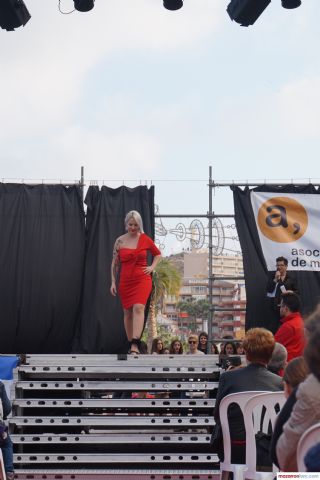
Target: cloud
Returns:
[45, 67]
[299, 107]
[116, 155]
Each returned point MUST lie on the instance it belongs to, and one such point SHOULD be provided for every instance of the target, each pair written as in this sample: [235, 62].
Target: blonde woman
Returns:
[130, 252]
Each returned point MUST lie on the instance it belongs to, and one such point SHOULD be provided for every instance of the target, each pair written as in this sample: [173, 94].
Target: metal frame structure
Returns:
[61, 424]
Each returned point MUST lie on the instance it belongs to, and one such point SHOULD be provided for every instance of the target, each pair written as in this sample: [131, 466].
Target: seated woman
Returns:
[295, 372]
[306, 410]
[258, 346]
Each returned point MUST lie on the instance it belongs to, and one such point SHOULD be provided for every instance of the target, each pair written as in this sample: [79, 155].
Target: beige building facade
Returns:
[228, 296]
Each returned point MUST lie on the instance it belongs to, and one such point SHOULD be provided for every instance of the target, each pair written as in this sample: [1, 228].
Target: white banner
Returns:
[289, 226]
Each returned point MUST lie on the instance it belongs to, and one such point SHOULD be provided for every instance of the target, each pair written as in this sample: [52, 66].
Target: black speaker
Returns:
[13, 14]
[291, 3]
[246, 12]
[83, 5]
[172, 4]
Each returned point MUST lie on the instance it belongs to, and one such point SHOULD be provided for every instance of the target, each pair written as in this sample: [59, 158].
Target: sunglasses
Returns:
[192, 341]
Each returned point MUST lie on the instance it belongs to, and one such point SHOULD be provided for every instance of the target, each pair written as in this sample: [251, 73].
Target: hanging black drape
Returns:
[255, 270]
[102, 329]
[42, 240]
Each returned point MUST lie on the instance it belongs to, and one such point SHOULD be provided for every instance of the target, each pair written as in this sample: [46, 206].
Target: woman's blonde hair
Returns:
[137, 218]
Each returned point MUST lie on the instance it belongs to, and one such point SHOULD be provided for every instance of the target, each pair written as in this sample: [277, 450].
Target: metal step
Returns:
[114, 420]
[117, 371]
[118, 474]
[116, 404]
[113, 438]
[115, 386]
[116, 458]
[113, 360]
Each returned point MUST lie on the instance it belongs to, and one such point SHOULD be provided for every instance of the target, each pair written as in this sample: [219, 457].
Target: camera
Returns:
[231, 361]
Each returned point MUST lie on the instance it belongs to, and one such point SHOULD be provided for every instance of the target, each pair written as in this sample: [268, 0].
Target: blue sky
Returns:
[133, 92]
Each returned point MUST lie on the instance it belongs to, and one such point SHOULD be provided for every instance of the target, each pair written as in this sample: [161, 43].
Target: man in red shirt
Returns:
[291, 332]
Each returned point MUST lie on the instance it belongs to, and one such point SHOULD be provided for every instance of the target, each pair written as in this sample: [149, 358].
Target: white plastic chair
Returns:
[269, 400]
[2, 471]
[226, 466]
[310, 438]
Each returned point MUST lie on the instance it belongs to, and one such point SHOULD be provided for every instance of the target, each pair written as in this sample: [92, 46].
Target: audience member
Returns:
[239, 348]
[193, 342]
[291, 332]
[203, 342]
[306, 410]
[6, 443]
[258, 346]
[176, 347]
[278, 360]
[295, 372]
[230, 348]
[214, 349]
[311, 323]
[157, 346]
[278, 282]
[166, 350]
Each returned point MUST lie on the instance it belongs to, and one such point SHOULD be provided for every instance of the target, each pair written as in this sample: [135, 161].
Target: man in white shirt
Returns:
[193, 341]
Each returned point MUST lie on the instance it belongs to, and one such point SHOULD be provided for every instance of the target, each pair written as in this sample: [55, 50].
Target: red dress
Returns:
[135, 285]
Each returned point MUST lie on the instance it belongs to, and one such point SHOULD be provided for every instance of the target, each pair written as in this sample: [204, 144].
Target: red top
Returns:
[291, 335]
[135, 285]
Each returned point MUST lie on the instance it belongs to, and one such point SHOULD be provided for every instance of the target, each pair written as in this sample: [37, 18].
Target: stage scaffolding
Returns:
[210, 216]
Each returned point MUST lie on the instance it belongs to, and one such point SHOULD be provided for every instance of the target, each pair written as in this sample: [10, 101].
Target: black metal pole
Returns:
[210, 276]
[82, 183]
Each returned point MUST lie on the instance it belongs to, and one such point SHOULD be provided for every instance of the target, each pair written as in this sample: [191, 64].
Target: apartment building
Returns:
[228, 295]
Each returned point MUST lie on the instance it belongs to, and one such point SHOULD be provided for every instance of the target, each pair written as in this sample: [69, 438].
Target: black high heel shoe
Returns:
[135, 343]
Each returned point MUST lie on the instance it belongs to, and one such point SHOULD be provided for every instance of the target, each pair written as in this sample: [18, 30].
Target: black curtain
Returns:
[255, 271]
[102, 329]
[42, 243]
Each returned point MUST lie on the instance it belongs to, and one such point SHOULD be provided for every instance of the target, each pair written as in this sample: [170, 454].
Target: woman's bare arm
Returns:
[115, 265]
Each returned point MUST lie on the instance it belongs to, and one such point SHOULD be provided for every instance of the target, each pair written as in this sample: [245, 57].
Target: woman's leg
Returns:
[127, 316]
[137, 320]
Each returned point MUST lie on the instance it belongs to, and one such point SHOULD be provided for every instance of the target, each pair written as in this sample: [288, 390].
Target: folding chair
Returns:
[226, 466]
[310, 438]
[269, 400]
[2, 471]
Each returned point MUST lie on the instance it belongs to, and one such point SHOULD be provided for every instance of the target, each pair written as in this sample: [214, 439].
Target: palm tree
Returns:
[195, 309]
[166, 281]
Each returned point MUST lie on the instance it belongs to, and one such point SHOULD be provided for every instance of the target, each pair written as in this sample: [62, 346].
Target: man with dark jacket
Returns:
[258, 346]
[279, 281]
[291, 332]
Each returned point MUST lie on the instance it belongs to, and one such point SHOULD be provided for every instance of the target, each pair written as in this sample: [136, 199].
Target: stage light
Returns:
[13, 14]
[172, 4]
[83, 5]
[291, 3]
[246, 12]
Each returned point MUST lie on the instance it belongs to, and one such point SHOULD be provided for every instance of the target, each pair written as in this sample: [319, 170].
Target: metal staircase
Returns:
[74, 417]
